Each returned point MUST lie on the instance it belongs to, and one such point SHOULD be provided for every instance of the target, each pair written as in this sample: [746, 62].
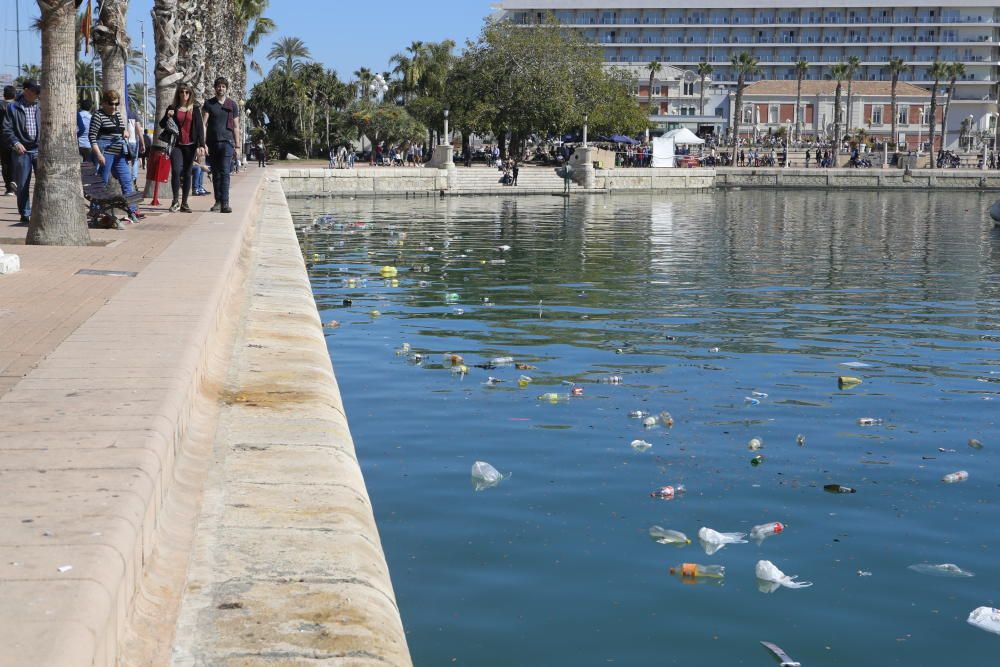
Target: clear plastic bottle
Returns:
[953, 477]
[837, 488]
[763, 530]
[666, 419]
[698, 571]
[502, 361]
[755, 444]
[869, 421]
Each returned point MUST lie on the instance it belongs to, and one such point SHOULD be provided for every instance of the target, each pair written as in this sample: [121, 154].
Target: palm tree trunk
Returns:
[850, 109]
[58, 215]
[191, 49]
[166, 34]
[701, 95]
[737, 115]
[798, 108]
[112, 43]
[835, 153]
[933, 122]
[892, 103]
[947, 108]
[224, 51]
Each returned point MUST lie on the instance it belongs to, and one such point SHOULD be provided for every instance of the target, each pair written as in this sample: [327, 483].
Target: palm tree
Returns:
[704, 71]
[744, 65]
[364, 78]
[853, 63]
[655, 67]
[955, 70]
[258, 28]
[896, 67]
[29, 71]
[801, 65]
[839, 73]
[112, 43]
[290, 54]
[438, 62]
[937, 71]
[57, 218]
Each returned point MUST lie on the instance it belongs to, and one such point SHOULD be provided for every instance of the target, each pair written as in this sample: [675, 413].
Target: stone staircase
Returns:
[486, 180]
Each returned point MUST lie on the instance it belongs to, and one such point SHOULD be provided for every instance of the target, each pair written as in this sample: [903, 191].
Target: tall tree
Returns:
[853, 64]
[838, 72]
[112, 43]
[192, 47]
[58, 216]
[801, 65]
[955, 70]
[166, 37]
[937, 71]
[364, 77]
[704, 71]
[896, 67]
[290, 54]
[224, 47]
[655, 67]
[744, 65]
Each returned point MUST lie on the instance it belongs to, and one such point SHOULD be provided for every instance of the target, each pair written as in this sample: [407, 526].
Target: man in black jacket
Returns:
[21, 130]
[6, 152]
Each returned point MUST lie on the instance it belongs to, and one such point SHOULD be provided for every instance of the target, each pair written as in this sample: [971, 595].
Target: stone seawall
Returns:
[882, 179]
[363, 182]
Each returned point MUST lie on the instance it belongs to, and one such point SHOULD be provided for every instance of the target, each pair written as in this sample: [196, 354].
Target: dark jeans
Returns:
[7, 167]
[24, 166]
[181, 159]
[220, 158]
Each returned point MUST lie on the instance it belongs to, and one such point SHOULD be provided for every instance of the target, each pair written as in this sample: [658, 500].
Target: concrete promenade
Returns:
[113, 390]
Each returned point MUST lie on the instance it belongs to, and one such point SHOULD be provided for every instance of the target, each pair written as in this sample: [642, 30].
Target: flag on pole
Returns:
[85, 27]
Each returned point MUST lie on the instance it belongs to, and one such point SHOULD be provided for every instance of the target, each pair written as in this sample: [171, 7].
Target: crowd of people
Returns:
[196, 139]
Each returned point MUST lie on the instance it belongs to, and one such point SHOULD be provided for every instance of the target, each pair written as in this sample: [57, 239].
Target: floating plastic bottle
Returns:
[553, 397]
[768, 572]
[755, 444]
[975, 444]
[757, 460]
[453, 359]
[403, 350]
[523, 381]
[650, 422]
[758, 394]
[800, 440]
[451, 297]
[870, 421]
[713, 350]
[485, 476]
[751, 401]
[388, 271]
[666, 419]
[637, 414]
[613, 379]
[666, 536]
[698, 571]
[640, 445]
[712, 540]
[940, 570]
[493, 381]
[460, 369]
[502, 361]
[668, 492]
[986, 618]
[837, 488]
[953, 477]
[576, 391]
[764, 530]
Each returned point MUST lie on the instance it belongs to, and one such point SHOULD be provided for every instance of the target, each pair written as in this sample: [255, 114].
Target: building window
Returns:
[689, 88]
[748, 115]
[926, 115]
[903, 115]
[877, 115]
[657, 91]
[772, 114]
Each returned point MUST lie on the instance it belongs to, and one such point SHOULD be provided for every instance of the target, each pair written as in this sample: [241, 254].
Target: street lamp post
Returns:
[445, 139]
[920, 129]
[788, 155]
[586, 119]
[968, 131]
[996, 131]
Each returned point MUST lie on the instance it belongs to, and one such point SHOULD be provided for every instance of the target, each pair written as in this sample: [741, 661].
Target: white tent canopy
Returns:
[683, 136]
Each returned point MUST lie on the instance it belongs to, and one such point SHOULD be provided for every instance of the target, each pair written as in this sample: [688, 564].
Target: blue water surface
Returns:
[695, 300]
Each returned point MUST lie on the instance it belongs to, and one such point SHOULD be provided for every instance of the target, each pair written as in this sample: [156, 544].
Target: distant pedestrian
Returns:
[261, 154]
[21, 130]
[7, 152]
[807, 158]
[221, 117]
[515, 169]
[83, 129]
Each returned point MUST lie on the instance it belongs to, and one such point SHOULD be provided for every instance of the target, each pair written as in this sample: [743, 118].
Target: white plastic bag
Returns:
[666, 536]
[768, 572]
[485, 476]
[712, 541]
[986, 618]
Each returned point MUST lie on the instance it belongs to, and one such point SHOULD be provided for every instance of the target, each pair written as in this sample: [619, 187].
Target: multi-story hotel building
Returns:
[778, 32]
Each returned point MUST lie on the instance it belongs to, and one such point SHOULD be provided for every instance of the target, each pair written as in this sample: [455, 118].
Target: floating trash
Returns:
[940, 570]
[698, 571]
[800, 440]
[666, 419]
[751, 401]
[374, 313]
[870, 421]
[650, 422]
[837, 488]
[855, 364]
[864, 573]
[492, 380]
[848, 382]
[757, 460]
[640, 445]
[986, 618]
[712, 540]
[713, 349]
[779, 653]
[953, 477]
[637, 414]
[485, 476]
[768, 572]
[388, 271]
[755, 444]
[403, 350]
[975, 444]
[613, 379]
[668, 492]
[666, 536]
[524, 367]
[553, 397]
[524, 381]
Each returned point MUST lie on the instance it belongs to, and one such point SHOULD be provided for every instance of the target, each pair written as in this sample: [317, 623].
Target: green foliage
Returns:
[384, 122]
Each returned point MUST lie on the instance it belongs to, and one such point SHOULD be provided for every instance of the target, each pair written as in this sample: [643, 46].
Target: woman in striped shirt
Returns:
[109, 143]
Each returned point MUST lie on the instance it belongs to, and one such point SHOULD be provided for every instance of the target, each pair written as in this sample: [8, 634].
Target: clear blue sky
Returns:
[342, 34]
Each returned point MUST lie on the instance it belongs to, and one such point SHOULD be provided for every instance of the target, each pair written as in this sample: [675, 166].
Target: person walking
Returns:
[221, 118]
[7, 152]
[184, 117]
[20, 132]
[83, 129]
[109, 143]
[515, 169]
[261, 154]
